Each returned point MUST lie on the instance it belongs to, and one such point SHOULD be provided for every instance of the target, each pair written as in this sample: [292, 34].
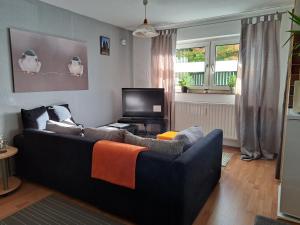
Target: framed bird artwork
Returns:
[44, 62]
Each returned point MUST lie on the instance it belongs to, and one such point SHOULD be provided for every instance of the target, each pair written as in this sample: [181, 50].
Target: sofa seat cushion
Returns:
[64, 127]
[173, 147]
[104, 133]
[35, 118]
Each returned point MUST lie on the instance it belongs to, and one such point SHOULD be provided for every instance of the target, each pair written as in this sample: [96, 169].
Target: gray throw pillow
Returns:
[169, 147]
[104, 133]
[64, 127]
[190, 135]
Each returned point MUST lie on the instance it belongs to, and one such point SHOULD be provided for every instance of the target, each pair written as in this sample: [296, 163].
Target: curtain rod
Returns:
[216, 21]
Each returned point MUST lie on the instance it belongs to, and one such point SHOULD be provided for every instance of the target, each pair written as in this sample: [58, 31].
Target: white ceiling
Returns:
[129, 13]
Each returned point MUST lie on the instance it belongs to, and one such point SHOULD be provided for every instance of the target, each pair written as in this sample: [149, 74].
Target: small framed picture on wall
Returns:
[104, 45]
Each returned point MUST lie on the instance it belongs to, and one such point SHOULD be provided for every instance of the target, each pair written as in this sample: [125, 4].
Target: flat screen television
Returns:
[143, 102]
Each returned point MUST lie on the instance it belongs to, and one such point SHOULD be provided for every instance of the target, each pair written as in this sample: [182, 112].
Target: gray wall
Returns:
[107, 74]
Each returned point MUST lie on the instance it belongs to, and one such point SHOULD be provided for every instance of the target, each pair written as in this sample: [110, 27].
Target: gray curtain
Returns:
[163, 53]
[258, 83]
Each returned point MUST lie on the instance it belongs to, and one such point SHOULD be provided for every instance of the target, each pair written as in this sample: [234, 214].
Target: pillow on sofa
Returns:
[59, 112]
[173, 147]
[35, 118]
[104, 133]
[190, 135]
[64, 127]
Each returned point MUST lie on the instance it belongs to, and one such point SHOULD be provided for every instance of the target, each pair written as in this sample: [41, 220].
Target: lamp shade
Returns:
[145, 31]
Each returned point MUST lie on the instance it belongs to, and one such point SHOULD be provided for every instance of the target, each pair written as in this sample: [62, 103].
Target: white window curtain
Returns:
[258, 85]
[163, 53]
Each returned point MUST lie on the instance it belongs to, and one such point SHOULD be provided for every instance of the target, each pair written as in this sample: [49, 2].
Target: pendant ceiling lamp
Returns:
[145, 30]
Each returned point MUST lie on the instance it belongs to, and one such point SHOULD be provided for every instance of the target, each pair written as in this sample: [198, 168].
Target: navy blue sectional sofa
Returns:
[169, 189]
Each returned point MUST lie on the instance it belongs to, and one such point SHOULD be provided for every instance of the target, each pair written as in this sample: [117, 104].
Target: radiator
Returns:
[208, 116]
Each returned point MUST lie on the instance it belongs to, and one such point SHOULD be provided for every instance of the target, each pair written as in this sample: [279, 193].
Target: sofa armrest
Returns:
[53, 159]
[194, 175]
[18, 140]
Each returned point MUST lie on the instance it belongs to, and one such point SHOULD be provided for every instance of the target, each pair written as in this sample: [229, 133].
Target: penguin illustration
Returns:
[76, 67]
[29, 62]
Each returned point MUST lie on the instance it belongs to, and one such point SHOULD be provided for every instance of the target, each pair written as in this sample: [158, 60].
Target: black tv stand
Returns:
[145, 121]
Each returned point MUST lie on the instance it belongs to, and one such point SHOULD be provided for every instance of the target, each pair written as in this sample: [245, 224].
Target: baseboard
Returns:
[231, 143]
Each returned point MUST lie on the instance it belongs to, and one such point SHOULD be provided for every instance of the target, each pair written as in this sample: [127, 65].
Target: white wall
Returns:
[100, 104]
[209, 31]
[284, 53]
[141, 62]
[284, 56]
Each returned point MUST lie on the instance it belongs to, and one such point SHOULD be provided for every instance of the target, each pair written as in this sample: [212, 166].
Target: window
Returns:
[207, 65]
[191, 62]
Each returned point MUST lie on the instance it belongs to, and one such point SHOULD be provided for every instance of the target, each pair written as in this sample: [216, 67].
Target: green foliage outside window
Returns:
[223, 53]
[231, 81]
[185, 80]
[190, 55]
[227, 52]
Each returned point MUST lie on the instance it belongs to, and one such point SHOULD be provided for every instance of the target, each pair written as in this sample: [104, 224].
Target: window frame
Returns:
[212, 62]
[202, 44]
[210, 56]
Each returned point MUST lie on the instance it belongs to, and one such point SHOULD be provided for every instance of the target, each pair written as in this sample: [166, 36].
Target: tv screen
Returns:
[143, 102]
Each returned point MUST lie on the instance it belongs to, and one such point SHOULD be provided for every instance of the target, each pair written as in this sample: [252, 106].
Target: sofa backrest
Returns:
[35, 133]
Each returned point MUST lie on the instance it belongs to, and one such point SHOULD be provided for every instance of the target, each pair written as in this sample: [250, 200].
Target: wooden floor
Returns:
[245, 190]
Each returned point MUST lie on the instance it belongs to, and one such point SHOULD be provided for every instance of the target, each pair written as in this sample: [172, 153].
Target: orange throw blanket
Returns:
[115, 162]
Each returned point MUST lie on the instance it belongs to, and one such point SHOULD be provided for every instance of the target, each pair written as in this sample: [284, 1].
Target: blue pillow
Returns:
[35, 118]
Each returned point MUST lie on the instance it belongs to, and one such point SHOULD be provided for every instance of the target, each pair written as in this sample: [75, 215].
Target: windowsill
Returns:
[214, 98]
[208, 92]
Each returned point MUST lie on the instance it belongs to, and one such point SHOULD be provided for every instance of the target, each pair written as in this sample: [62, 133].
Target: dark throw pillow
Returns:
[35, 118]
[59, 112]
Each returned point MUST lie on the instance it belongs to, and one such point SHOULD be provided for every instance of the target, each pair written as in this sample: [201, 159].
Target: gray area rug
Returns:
[226, 156]
[261, 220]
[56, 211]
